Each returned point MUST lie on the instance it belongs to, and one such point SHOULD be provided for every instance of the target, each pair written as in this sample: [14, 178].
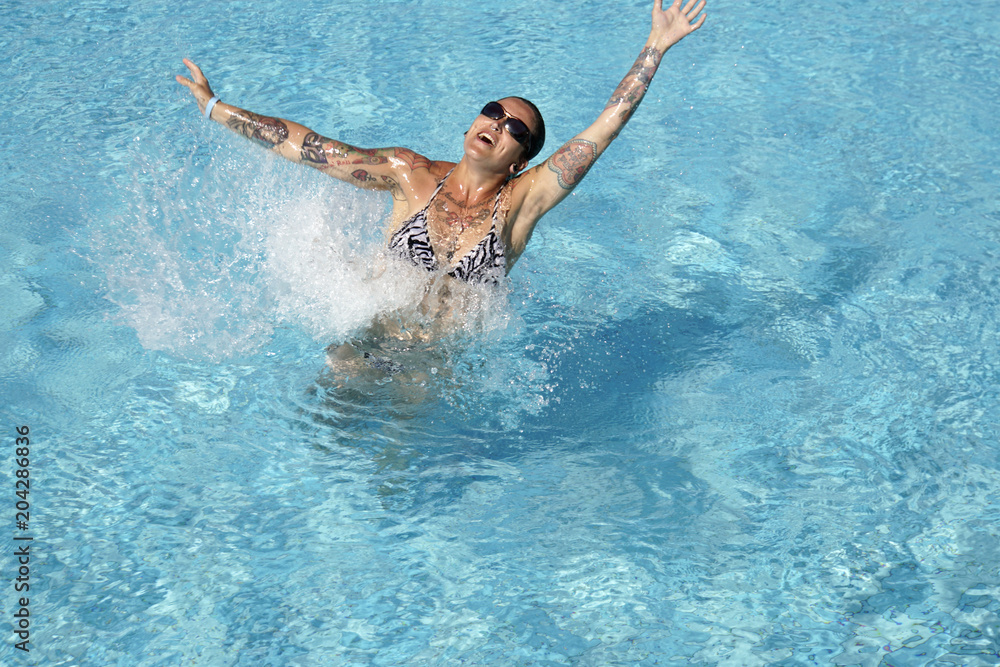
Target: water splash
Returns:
[204, 260]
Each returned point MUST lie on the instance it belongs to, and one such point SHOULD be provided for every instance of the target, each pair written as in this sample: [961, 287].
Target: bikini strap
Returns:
[496, 204]
[440, 185]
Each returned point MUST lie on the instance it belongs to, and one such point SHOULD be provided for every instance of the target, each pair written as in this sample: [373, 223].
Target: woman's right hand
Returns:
[672, 24]
[197, 84]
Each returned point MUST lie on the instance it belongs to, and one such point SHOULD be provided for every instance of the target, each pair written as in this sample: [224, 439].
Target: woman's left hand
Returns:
[672, 24]
[197, 84]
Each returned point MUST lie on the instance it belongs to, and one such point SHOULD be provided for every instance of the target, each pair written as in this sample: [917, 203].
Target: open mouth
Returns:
[486, 138]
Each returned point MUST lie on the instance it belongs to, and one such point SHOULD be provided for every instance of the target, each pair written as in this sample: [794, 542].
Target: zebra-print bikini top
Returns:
[485, 264]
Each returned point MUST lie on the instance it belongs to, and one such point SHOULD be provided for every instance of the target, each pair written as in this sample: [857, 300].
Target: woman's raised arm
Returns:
[375, 169]
[544, 186]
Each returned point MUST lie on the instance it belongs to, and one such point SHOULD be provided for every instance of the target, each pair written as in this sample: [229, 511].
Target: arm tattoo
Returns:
[411, 159]
[572, 162]
[366, 180]
[263, 130]
[371, 155]
[394, 189]
[633, 87]
[320, 150]
[314, 148]
[362, 176]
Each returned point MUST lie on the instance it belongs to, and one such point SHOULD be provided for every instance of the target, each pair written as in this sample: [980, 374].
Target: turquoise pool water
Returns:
[737, 407]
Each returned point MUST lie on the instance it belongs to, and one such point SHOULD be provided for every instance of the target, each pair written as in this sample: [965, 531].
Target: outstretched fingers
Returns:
[197, 78]
[184, 82]
[692, 14]
[196, 74]
[197, 84]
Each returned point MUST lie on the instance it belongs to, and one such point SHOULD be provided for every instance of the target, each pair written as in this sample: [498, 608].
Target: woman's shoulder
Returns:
[440, 168]
[420, 166]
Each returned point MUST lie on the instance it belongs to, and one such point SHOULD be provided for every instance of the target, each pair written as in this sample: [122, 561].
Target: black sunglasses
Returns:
[515, 127]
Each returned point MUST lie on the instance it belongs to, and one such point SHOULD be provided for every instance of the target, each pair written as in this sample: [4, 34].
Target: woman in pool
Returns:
[472, 219]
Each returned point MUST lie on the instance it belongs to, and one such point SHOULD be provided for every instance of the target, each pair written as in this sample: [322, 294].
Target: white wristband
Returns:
[210, 105]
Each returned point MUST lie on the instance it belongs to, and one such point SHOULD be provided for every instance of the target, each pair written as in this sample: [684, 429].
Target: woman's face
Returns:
[489, 139]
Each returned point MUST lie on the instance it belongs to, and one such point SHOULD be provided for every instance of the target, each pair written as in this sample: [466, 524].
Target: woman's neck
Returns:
[474, 185]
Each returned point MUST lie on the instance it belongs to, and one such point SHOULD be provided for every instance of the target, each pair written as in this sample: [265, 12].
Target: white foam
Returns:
[324, 277]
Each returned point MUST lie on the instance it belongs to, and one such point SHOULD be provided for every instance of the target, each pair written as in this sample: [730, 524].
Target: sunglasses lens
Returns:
[493, 110]
[517, 129]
